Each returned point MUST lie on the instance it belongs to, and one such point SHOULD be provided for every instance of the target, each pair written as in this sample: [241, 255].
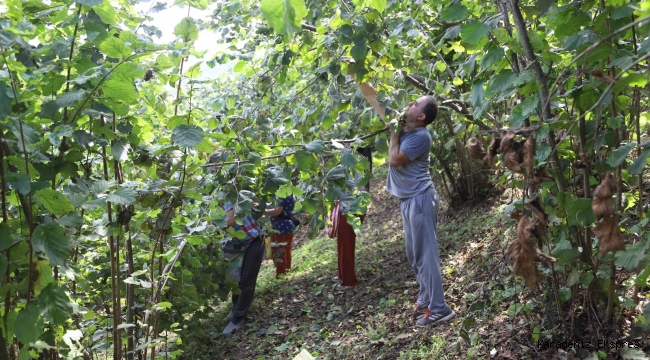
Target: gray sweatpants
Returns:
[420, 216]
[249, 270]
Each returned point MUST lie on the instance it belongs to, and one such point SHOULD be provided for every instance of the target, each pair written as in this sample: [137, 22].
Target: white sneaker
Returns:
[231, 328]
[336, 279]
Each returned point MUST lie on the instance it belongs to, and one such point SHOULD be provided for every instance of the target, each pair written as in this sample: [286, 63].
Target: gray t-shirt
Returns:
[412, 177]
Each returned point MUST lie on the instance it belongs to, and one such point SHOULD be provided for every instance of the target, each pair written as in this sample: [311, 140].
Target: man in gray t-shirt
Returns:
[410, 181]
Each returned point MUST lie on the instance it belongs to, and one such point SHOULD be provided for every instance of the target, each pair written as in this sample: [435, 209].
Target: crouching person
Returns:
[245, 256]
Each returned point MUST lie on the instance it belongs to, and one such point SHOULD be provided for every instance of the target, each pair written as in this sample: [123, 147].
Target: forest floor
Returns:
[497, 317]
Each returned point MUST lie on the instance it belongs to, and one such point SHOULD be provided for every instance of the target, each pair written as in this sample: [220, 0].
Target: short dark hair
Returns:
[430, 109]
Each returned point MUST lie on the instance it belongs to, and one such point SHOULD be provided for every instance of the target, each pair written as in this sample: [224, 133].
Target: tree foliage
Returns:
[116, 154]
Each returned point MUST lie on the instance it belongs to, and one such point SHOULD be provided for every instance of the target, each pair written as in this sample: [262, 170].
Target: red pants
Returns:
[345, 243]
[281, 253]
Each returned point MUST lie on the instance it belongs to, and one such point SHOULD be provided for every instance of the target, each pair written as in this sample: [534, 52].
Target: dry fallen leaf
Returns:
[602, 204]
[609, 235]
[475, 149]
[539, 176]
[512, 160]
[529, 155]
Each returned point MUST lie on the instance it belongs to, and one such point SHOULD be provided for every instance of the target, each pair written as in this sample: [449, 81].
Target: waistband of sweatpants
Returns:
[419, 193]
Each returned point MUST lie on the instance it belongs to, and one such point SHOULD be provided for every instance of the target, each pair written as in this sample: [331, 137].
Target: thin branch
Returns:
[328, 142]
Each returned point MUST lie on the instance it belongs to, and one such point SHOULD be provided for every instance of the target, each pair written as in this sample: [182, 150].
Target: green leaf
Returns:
[573, 277]
[501, 82]
[348, 159]
[89, 2]
[53, 201]
[29, 325]
[359, 50]
[493, 55]
[122, 196]
[70, 98]
[637, 166]
[101, 186]
[164, 305]
[6, 240]
[316, 146]
[118, 90]
[478, 95]
[579, 211]
[107, 13]
[72, 220]
[453, 13]
[187, 30]
[44, 276]
[54, 304]
[379, 5]
[304, 160]
[474, 31]
[632, 255]
[529, 105]
[337, 172]
[20, 181]
[5, 100]
[586, 278]
[619, 155]
[115, 48]
[120, 150]
[240, 67]
[284, 15]
[187, 135]
[50, 239]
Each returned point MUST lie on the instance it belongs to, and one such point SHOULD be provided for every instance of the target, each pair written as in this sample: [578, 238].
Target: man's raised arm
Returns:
[369, 92]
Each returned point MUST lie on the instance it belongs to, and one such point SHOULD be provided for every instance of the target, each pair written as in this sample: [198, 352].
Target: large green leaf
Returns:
[632, 255]
[122, 196]
[284, 15]
[6, 240]
[119, 90]
[51, 239]
[304, 160]
[637, 166]
[579, 211]
[44, 277]
[348, 159]
[120, 150]
[107, 13]
[5, 100]
[453, 13]
[316, 146]
[71, 98]
[337, 172]
[478, 95]
[29, 325]
[115, 47]
[187, 29]
[101, 186]
[187, 135]
[53, 201]
[473, 32]
[20, 181]
[619, 155]
[55, 304]
[379, 5]
[501, 82]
